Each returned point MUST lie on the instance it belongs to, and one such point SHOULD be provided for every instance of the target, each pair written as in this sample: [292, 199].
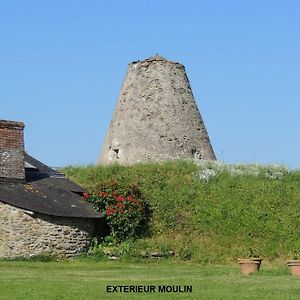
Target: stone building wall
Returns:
[26, 234]
[11, 150]
[156, 117]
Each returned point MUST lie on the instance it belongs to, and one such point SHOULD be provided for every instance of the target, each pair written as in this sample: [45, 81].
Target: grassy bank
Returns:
[89, 279]
[212, 213]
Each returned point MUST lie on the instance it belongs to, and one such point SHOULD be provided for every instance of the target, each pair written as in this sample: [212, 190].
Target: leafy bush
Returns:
[123, 207]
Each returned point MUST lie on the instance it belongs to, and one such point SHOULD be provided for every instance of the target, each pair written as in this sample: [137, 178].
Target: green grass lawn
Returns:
[85, 279]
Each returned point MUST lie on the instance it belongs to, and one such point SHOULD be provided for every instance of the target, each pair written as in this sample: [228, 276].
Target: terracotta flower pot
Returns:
[294, 266]
[249, 266]
[258, 259]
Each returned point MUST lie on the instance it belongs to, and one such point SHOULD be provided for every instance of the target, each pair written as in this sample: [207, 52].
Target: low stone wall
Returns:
[26, 234]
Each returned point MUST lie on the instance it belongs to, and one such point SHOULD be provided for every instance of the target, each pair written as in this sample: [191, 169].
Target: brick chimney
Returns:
[12, 150]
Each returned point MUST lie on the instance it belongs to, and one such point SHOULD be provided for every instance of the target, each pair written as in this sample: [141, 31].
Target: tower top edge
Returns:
[155, 58]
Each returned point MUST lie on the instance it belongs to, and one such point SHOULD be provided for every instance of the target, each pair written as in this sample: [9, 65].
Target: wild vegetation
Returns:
[208, 212]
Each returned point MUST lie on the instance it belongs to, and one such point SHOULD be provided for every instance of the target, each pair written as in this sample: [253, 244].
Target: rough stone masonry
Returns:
[24, 233]
[156, 117]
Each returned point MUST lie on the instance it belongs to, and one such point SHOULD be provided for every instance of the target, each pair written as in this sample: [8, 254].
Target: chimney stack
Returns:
[12, 150]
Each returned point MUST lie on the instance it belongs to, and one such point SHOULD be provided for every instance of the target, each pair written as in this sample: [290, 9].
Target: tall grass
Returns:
[211, 212]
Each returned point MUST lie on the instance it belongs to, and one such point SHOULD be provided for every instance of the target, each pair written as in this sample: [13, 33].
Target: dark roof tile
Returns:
[45, 192]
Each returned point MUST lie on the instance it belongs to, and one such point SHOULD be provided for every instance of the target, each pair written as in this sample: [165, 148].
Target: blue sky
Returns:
[62, 64]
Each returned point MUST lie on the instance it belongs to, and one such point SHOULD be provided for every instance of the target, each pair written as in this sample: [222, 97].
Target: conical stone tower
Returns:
[156, 117]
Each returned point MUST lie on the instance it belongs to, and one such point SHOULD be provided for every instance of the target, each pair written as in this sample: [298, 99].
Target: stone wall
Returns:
[11, 150]
[27, 234]
[156, 117]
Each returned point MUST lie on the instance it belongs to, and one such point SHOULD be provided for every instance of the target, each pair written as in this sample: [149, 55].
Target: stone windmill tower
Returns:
[156, 117]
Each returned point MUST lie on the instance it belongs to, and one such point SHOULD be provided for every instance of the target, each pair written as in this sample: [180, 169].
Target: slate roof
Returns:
[46, 191]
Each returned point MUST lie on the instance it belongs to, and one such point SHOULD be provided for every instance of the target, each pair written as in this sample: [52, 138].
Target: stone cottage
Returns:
[41, 212]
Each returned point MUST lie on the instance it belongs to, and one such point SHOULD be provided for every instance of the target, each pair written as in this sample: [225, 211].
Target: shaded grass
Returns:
[215, 221]
[88, 280]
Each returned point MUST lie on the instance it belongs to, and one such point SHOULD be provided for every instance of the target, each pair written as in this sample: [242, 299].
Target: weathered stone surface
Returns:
[156, 117]
[26, 234]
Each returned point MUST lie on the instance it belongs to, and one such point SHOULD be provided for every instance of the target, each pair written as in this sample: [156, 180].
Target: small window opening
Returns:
[197, 153]
[116, 153]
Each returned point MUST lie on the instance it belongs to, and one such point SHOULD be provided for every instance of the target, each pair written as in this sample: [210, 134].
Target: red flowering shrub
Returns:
[123, 207]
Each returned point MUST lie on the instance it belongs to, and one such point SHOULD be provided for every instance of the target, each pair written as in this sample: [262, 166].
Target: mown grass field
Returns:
[87, 279]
